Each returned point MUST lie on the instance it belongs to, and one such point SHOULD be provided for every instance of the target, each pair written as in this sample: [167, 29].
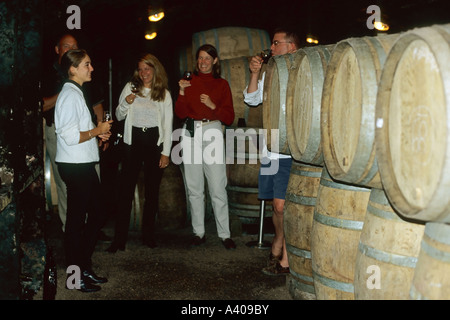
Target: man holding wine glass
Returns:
[273, 187]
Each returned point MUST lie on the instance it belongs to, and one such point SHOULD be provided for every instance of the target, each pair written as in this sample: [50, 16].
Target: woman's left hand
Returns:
[164, 161]
[205, 99]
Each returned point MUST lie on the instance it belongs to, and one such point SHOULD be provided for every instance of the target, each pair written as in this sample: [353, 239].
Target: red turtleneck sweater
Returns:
[219, 92]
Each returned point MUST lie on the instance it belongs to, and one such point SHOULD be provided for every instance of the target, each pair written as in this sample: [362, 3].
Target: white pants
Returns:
[198, 157]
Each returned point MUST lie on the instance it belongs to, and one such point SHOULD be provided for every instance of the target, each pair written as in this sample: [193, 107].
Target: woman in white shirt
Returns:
[76, 156]
[146, 105]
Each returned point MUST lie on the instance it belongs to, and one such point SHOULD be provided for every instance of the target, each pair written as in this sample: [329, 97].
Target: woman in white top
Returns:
[76, 156]
[146, 105]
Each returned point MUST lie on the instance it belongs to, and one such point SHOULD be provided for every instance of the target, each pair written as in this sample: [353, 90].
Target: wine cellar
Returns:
[364, 116]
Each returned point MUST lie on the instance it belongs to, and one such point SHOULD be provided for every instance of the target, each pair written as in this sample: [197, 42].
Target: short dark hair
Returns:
[290, 35]
[212, 51]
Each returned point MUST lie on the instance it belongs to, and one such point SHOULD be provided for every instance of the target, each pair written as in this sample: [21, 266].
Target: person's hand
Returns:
[130, 98]
[105, 127]
[205, 99]
[104, 143]
[256, 64]
[164, 161]
[183, 84]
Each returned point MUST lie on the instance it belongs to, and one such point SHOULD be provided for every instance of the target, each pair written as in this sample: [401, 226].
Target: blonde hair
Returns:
[159, 82]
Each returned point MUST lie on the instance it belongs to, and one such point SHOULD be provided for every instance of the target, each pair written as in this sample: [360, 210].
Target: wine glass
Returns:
[187, 75]
[265, 55]
[106, 116]
[134, 88]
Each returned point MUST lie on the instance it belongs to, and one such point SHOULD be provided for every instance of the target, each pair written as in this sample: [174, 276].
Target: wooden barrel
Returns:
[338, 220]
[431, 279]
[274, 102]
[236, 71]
[233, 42]
[387, 252]
[412, 124]
[303, 103]
[243, 163]
[301, 197]
[348, 109]
[186, 61]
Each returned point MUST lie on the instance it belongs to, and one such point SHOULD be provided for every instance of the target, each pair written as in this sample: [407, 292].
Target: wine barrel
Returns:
[303, 103]
[431, 279]
[236, 71]
[243, 163]
[338, 220]
[233, 42]
[274, 102]
[301, 197]
[412, 124]
[391, 245]
[186, 61]
[348, 109]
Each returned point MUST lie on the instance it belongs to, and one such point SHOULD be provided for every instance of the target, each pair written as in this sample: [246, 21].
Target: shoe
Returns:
[273, 259]
[196, 241]
[276, 270]
[114, 247]
[86, 286]
[93, 278]
[229, 244]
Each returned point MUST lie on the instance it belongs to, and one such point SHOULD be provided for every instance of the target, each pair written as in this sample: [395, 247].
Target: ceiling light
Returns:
[380, 26]
[155, 17]
[312, 39]
[150, 35]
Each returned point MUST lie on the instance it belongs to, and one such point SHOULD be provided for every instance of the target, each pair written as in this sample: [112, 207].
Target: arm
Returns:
[181, 107]
[123, 107]
[255, 69]
[253, 93]
[167, 125]
[224, 110]
[49, 102]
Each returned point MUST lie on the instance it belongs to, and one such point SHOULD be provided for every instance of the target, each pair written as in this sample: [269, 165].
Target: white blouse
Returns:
[130, 113]
[71, 117]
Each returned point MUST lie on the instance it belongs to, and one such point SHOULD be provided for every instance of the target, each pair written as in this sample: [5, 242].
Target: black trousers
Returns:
[85, 213]
[143, 152]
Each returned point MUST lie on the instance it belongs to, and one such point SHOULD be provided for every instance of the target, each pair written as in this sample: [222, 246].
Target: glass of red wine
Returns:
[187, 75]
[134, 88]
[265, 55]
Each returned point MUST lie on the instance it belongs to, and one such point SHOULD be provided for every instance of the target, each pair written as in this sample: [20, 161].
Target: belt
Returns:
[144, 129]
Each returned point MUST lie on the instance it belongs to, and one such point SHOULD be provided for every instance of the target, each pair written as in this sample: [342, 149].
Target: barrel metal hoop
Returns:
[391, 258]
[387, 215]
[334, 185]
[298, 252]
[295, 198]
[433, 252]
[338, 223]
[338, 285]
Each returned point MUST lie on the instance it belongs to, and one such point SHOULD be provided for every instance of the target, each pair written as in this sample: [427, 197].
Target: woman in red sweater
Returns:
[206, 103]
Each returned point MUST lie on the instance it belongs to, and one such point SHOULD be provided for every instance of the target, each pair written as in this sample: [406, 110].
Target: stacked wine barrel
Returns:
[370, 116]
